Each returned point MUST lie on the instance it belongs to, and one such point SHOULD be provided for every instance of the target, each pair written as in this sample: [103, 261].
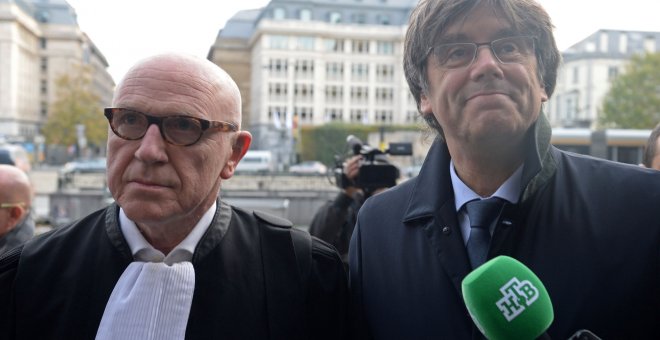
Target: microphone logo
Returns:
[518, 295]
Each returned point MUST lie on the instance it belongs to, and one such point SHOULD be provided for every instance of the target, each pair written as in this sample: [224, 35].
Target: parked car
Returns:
[309, 168]
[256, 161]
[87, 165]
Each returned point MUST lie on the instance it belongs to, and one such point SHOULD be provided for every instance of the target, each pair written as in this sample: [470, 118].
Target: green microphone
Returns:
[506, 300]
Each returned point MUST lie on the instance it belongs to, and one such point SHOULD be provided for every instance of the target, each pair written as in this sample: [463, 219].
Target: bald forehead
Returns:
[13, 181]
[180, 78]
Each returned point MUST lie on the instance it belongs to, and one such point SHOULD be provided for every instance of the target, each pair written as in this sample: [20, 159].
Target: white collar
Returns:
[509, 190]
[143, 251]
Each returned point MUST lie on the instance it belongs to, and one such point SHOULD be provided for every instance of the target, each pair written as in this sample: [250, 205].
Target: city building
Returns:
[312, 62]
[40, 40]
[587, 72]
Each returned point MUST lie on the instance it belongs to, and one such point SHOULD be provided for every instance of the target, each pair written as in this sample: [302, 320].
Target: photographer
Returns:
[335, 220]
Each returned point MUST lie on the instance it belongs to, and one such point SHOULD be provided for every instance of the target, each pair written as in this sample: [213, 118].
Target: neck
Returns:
[163, 238]
[484, 169]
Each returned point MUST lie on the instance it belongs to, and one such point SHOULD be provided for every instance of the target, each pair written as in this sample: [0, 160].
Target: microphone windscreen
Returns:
[507, 300]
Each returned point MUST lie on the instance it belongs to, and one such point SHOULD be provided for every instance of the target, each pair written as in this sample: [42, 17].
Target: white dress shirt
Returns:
[153, 296]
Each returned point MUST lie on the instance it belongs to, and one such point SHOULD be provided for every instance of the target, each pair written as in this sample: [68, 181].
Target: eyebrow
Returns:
[462, 38]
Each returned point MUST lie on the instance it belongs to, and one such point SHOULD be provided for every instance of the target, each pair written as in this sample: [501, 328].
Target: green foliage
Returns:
[323, 142]
[633, 101]
[75, 103]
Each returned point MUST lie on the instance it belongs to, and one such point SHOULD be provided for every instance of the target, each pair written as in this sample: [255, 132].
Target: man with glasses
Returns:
[169, 259]
[16, 225]
[480, 72]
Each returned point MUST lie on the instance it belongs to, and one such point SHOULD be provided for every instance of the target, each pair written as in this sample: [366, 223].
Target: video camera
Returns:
[375, 171]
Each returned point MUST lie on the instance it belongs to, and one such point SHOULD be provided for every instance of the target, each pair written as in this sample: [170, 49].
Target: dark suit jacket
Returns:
[588, 228]
[59, 286]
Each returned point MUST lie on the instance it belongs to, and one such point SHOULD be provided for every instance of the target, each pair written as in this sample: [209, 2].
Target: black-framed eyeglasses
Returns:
[509, 50]
[178, 130]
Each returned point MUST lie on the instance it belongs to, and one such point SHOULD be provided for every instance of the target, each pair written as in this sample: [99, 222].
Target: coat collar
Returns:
[432, 187]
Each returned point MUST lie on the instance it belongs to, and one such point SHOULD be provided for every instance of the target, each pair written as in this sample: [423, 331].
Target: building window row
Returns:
[334, 115]
[334, 45]
[333, 17]
[384, 116]
[334, 94]
[359, 94]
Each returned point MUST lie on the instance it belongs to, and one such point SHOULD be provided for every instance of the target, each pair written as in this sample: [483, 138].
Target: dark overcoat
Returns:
[248, 282]
[588, 228]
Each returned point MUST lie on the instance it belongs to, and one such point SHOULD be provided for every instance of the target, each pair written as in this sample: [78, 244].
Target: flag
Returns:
[276, 120]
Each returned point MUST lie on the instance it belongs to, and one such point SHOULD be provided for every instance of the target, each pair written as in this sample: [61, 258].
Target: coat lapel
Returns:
[432, 208]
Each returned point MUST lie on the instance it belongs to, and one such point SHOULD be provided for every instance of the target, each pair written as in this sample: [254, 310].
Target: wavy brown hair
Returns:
[431, 17]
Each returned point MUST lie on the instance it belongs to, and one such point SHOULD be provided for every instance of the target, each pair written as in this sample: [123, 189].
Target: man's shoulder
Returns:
[599, 169]
[9, 260]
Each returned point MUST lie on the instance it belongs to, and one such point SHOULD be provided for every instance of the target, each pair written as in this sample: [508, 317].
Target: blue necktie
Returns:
[482, 213]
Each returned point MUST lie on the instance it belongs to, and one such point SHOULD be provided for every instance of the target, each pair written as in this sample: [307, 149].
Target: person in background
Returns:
[334, 221]
[16, 223]
[652, 150]
[480, 71]
[169, 259]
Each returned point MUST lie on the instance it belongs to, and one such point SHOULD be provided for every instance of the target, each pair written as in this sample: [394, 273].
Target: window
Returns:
[305, 15]
[383, 19]
[44, 64]
[612, 73]
[333, 45]
[385, 47]
[334, 94]
[412, 117]
[304, 68]
[576, 75]
[278, 67]
[305, 43]
[359, 18]
[384, 73]
[279, 13]
[334, 71]
[359, 94]
[334, 17]
[360, 46]
[333, 115]
[360, 72]
[305, 114]
[384, 95]
[44, 87]
[277, 91]
[44, 109]
[384, 116]
[43, 43]
[279, 42]
[359, 116]
[303, 92]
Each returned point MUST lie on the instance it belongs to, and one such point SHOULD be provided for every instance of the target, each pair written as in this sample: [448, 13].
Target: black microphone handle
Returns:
[544, 336]
[584, 334]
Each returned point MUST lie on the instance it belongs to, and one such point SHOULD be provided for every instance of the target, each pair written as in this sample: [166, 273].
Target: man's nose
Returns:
[485, 63]
[152, 146]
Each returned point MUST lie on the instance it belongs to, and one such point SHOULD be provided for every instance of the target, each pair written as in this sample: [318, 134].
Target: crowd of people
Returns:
[169, 259]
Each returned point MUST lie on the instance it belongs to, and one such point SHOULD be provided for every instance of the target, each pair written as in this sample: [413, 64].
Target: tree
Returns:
[75, 103]
[633, 101]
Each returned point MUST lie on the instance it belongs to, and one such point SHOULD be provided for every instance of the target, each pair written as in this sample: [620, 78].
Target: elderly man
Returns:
[590, 229]
[16, 226]
[169, 259]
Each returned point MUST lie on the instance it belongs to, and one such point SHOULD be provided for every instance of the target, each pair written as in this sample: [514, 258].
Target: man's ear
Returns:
[238, 150]
[425, 107]
[16, 215]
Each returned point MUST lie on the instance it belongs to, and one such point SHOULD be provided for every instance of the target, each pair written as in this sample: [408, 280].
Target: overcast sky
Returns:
[128, 30]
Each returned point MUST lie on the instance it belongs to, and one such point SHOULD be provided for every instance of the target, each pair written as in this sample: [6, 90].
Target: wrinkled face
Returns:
[157, 182]
[487, 101]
